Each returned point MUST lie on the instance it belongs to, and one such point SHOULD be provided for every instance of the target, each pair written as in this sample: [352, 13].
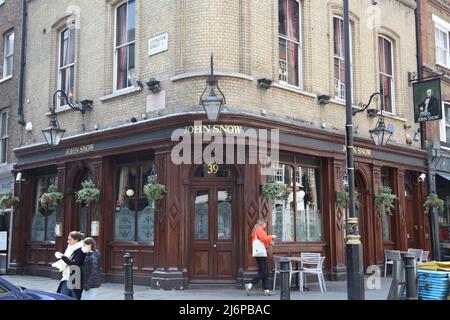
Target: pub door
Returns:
[213, 233]
[412, 225]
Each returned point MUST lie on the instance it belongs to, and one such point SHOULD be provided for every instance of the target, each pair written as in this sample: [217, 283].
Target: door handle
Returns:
[416, 227]
[214, 245]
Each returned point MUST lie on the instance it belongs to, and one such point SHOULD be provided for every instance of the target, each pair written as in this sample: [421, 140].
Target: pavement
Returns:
[336, 290]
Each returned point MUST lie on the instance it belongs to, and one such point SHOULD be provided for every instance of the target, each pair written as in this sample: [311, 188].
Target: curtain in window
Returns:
[339, 57]
[293, 34]
[121, 39]
[123, 184]
[385, 61]
[38, 223]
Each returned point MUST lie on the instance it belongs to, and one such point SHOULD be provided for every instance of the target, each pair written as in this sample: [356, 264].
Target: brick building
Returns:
[434, 60]
[10, 48]
[105, 51]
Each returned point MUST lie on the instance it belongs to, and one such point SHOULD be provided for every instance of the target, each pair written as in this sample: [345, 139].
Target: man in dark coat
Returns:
[429, 107]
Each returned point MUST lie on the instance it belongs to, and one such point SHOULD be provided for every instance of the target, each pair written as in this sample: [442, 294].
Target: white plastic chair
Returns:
[389, 257]
[276, 260]
[417, 253]
[312, 265]
[424, 256]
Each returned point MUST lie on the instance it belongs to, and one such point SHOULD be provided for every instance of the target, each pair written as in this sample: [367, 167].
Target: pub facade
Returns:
[200, 231]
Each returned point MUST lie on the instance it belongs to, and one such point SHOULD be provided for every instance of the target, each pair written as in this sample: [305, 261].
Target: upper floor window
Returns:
[8, 55]
[289, 56]
[124, 47]
[445, 123]
[67, 62]
[442, 39]
[339, 58]
[386, 72]
[4, 116]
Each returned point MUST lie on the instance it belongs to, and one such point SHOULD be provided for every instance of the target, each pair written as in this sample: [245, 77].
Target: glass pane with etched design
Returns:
[224, 211]
[201, 215]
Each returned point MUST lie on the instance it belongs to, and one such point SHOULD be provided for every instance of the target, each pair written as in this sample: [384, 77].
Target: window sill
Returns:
[120, 93]
[442, 65]
[6, 79]
[292, 88]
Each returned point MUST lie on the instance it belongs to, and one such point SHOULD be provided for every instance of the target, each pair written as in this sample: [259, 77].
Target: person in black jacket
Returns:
[92, 273]
[70, 264]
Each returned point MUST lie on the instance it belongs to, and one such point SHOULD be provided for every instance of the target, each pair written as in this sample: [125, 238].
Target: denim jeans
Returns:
[63, 289]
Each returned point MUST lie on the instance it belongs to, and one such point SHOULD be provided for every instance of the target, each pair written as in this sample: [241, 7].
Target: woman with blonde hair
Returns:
[259, 237]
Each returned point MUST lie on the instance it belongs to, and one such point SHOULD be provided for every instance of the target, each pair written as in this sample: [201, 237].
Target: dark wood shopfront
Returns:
[200, 231]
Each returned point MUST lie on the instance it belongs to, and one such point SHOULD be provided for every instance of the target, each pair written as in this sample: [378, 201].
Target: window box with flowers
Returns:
[88, 193]
[154, 190]
[8, 201]
[384, 200]
[433, 201]
[52, 197]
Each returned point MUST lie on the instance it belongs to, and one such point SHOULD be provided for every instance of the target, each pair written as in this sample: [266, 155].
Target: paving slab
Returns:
[336, 290]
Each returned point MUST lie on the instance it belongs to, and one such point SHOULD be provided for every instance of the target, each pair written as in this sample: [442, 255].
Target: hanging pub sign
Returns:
[427, 100]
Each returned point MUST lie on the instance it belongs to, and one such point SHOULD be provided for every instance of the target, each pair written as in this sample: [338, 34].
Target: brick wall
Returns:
[440, 9]
[244, 38]
[10, 20]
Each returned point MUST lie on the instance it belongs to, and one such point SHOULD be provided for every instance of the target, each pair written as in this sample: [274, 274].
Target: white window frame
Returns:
[5, 56]
[443, 126]
[443, 26]
[60, 69]
[6, 135]
[393, 111]
[115, 90]
[342, 60]
[300, 51]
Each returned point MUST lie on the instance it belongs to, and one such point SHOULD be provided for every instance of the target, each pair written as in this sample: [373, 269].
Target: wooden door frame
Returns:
[212, 185]
[233, 183]
[364, 219]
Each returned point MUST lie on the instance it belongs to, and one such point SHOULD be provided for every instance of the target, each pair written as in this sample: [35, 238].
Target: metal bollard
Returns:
[128, 272]
[398, 281]
[410, 276]
[285, 290]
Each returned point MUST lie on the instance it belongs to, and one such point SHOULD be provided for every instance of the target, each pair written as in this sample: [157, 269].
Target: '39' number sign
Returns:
[213, 168]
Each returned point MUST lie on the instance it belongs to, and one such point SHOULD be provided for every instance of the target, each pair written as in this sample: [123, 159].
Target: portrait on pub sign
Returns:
[427, 100]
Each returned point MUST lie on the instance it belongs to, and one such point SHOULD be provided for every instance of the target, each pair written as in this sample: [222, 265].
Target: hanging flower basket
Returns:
[342, 199]
[88, 192]
[433, 201]
[51, 197]
[272, 189]
[384, 200]
[8, 201]
[154, 190]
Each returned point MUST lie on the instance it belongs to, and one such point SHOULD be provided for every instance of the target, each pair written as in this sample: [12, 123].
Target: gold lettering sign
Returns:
[360, 151]
[215, 128]
[79, 149]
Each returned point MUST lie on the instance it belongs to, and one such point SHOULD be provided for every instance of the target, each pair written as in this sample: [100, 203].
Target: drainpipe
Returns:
[20, 115]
